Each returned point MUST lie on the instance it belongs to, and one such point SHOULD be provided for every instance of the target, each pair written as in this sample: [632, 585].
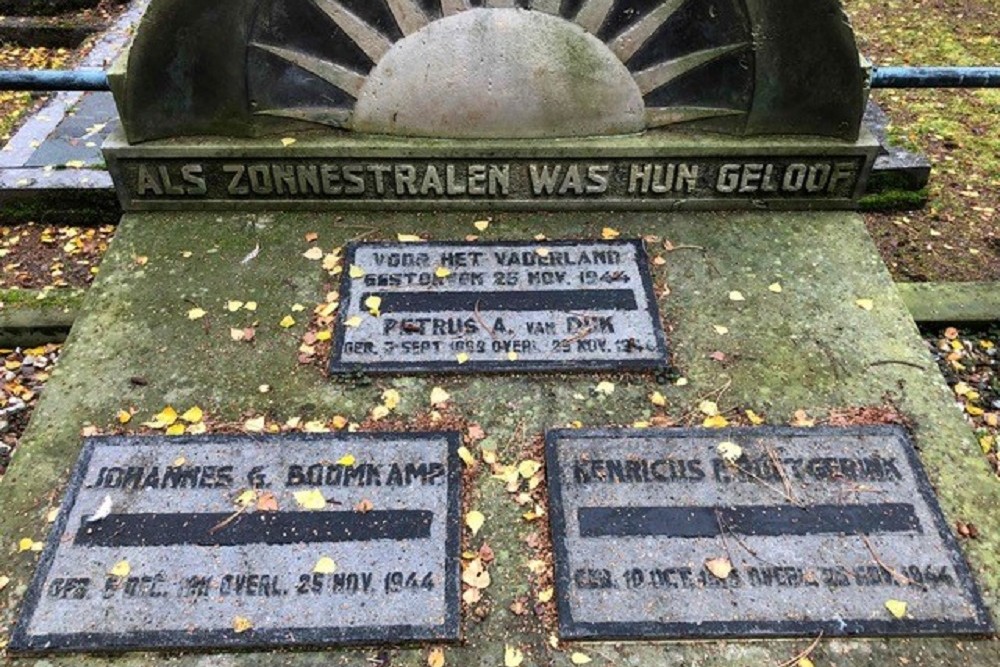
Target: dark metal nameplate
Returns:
[464, 307]
[239, 541]
[826, 530]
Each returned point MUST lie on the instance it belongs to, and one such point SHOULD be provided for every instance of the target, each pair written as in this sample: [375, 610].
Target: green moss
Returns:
[893, 200]
[42, 299]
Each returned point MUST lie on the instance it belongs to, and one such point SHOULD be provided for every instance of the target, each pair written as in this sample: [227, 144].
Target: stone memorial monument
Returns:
[460, 332]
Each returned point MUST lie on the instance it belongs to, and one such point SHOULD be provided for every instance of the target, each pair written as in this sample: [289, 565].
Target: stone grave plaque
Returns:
[822, 527]
[511, 306]
[240, 541]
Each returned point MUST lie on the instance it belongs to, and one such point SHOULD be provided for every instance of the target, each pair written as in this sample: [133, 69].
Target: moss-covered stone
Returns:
[809, 347]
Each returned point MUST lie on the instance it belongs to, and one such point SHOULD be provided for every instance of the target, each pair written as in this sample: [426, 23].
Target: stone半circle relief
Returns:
[488, 69]
[447, 68]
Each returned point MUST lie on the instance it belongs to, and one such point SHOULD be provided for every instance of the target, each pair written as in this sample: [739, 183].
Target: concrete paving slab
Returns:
[32, 162]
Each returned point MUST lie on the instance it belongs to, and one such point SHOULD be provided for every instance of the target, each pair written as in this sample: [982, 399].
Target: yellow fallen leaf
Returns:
[196, 314]
[442, 272]
[286, 322]
[476, 575]
[802, 419]
[237, 334]
[605, 387]
[353, 321]
[435, 658]
[439, 396]
[311, 499]
[512, 656]
[865, 304]
[233, 306]
[76, 164]
[255, 425]
[338, 422]
[3, 582]
[25, 544]
[175, 429]
[462, 357]
[475, 520]
[754, 418]
[288, 141]
[315, 426]
[528, 468]
[804, 662]
[408, 238]
[481, 225]
[325, 565]
[52, 515]
[356, 271]
[347, 461]
[720, 568]
[197, 429]
[715, 421]
[546, 594]
[241, 624]
[250, 305]
[512, 356]
[536, 566]
[974, 410]
[247, 498]
[323, 336]
[472, 596]
[579, 658]
[658, 399]
[542, 252]
[609, 233]
[721, 330]
[896, 607]
[124, 416]
[391, 399]
[373, 304]
[121, 569]
[165, 418]
[709, 408]
[193, 415]
[466, 456]
[736, 295]
[729, 451]
[775, 287]
[314, 254]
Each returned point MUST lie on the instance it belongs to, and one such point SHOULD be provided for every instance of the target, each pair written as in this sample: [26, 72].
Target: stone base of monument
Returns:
[817, 326]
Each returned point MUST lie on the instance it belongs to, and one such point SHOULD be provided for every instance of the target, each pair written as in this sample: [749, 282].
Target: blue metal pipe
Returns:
[882, 77]
[54, 80]
[936, 77]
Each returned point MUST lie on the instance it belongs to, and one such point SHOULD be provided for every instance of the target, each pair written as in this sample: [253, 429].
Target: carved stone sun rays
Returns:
[411, 18]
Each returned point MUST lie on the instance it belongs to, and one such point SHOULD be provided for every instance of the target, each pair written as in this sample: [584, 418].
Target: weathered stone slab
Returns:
[821, 527]
[650, 172]
[514, 306]
[220, 532]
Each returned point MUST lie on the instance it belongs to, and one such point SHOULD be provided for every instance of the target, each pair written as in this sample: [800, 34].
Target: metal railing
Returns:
[882, 77]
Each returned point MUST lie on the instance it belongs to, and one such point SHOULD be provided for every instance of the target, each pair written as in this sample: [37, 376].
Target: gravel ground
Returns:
[23, 373]
[34, 256]
[969, 360]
